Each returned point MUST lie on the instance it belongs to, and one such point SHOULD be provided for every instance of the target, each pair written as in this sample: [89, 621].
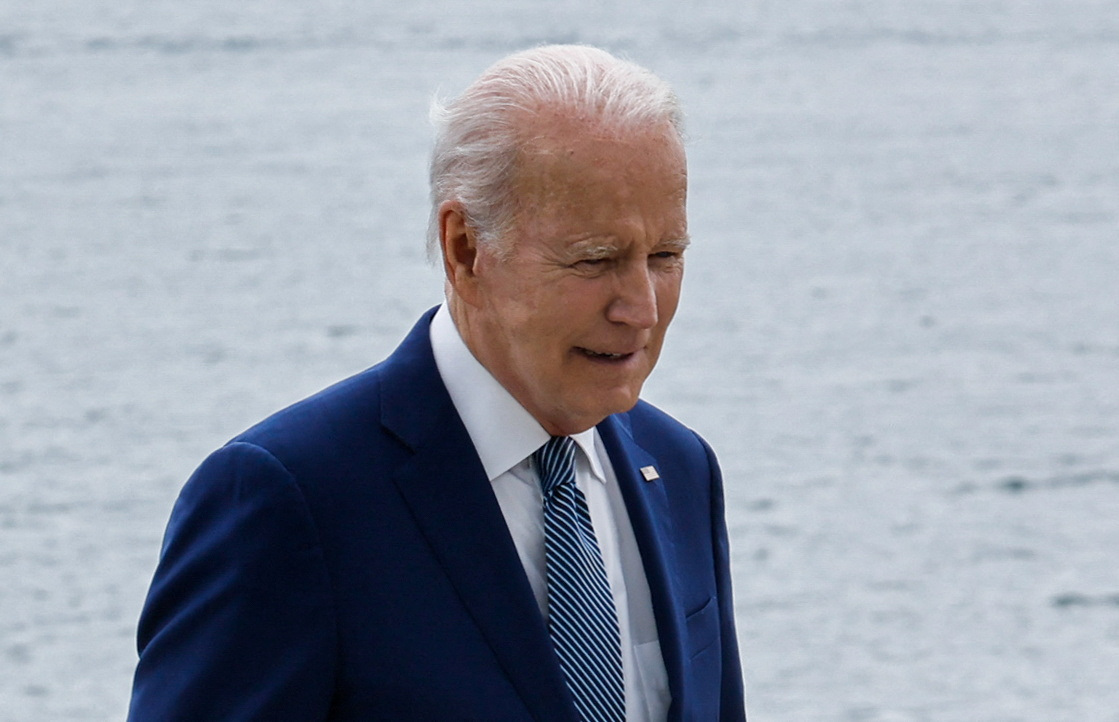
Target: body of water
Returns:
[900, 325]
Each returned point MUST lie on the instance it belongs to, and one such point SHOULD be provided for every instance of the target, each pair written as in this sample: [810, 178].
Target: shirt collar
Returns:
[591, 445]
[503, 432]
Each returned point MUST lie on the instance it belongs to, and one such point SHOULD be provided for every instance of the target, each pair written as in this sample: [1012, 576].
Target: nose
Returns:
[635, 298]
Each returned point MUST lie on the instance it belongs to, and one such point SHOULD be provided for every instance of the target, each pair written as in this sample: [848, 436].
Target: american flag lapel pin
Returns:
[650, 473]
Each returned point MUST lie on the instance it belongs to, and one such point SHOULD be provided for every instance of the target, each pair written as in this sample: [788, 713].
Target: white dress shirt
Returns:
[505, 436]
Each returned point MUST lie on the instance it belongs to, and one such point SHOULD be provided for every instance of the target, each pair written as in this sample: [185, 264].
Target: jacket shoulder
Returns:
[370, 411]
[331, 412]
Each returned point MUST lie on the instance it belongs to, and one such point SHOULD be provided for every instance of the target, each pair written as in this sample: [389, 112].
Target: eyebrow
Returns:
[679, 244]
[605, 249]
[593, 248]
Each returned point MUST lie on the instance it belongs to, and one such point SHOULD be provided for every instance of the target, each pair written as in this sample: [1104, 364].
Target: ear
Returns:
[459, 245]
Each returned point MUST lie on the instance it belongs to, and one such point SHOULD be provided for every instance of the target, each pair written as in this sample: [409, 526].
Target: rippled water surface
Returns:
[900, 327]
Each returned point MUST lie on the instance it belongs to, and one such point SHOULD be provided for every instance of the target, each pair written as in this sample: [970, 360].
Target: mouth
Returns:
[606, 356]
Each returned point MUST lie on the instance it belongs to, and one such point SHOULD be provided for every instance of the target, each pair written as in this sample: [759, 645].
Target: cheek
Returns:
[512, 305]
[668, 297]
[570, 310]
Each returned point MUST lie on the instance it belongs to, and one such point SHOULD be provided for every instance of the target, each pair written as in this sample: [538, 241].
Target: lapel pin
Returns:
[650, 473]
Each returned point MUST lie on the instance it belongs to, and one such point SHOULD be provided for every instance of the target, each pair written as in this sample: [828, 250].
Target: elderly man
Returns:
[489, 525]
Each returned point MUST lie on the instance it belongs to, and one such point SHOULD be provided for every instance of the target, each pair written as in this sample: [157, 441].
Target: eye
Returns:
[666, 257]
[591, 263]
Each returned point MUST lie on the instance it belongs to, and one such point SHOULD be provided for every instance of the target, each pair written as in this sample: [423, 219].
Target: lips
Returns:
[604, 355]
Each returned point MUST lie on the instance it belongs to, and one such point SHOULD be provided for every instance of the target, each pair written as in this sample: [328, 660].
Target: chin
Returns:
[590, 405]
[617, 403]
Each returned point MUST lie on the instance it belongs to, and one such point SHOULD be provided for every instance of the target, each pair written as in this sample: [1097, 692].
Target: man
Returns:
[488, 525]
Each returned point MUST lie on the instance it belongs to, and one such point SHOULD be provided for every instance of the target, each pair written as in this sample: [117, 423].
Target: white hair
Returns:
[479, 133]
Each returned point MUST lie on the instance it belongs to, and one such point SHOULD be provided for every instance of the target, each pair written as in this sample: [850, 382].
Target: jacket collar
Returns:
[651, 518]
[446, 487]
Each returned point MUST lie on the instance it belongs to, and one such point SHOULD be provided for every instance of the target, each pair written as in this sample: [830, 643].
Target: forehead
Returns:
[571, 160]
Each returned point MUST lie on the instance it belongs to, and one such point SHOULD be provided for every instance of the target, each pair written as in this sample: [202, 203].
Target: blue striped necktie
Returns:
[581, 616]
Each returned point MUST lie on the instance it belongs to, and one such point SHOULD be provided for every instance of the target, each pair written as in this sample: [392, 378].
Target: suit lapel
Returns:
[446, 487]
[651, 518]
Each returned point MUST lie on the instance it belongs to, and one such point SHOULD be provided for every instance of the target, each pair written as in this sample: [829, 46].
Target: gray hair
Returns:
[479, 133]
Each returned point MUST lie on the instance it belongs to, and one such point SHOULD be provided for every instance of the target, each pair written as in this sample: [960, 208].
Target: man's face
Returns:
[572, 318]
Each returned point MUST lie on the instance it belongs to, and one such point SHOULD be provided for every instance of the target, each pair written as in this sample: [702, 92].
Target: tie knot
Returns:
[555, 463]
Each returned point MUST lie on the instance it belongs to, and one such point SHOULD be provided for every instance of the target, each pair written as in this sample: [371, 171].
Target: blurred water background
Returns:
[900, 326]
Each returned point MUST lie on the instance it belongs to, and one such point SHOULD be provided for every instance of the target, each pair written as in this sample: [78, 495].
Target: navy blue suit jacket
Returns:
[346, 559]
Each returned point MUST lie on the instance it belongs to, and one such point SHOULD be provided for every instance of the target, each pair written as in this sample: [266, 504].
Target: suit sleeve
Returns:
[732, 707]
[238, 623]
